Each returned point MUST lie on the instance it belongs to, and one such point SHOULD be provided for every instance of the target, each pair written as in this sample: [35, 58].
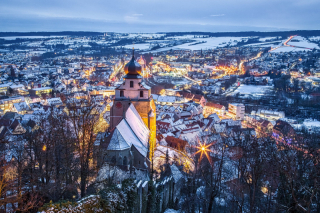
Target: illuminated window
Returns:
[121, 93]
[141, 94]
[131, 83]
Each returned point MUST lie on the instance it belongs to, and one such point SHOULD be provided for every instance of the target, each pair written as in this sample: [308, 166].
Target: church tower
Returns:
[134, 91]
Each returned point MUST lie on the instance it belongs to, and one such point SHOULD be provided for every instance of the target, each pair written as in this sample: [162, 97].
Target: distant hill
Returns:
[250, 33]
[213, 34]
[63, 33]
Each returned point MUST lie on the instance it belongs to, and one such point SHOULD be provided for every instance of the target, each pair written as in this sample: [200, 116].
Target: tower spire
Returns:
[132, 52]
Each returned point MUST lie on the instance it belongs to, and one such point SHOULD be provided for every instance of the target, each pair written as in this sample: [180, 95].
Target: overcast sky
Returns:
[159, 15]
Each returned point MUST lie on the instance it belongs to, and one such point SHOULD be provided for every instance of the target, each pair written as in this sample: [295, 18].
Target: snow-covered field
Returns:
[266, 44]
[203, 43]
[181, 37]
[210, 43]
[314, 38]
[302, 43]
[252, 89]
[138, 46]
[288, 49]
[266, 38]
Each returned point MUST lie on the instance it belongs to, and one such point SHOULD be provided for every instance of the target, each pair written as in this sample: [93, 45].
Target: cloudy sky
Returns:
[158, 15]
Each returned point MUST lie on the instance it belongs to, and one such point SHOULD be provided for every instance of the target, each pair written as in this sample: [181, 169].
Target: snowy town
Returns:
[163, 122]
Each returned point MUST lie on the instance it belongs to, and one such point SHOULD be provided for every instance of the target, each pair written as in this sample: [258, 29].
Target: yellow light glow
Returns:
[44, 148]
[264, 190]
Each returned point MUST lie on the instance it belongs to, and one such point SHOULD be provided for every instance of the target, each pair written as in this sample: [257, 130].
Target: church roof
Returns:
[137, 125]
[130, 131]
[117, 141]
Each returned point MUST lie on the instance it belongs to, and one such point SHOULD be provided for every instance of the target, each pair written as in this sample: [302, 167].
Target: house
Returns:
[164, 126]
[41, 90]
[176, 143]
[236, 111]
[7, 103]
[16, 128]
[262, 125]
[283, 131]
[54, 101]
[21, 108]
[199, 99]
[211, 108]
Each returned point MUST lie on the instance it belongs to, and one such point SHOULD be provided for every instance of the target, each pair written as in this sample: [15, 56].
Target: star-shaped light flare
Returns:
[204, 149]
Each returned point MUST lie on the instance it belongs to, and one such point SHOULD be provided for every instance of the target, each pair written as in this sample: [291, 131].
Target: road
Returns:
[254, 58]
[116, 71]
[285, 44]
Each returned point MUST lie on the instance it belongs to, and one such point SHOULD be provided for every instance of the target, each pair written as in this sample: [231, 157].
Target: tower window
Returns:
[141, 94]
[131, 83]
[121, 93]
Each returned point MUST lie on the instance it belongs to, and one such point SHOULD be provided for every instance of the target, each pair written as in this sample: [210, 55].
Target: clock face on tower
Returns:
[118, 104]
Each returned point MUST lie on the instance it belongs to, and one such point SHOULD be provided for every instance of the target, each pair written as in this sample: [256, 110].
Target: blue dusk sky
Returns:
[158, 15]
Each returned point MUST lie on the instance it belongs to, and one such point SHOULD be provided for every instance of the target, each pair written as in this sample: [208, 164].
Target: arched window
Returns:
[141, 94]
[125, 161]
[121, 93]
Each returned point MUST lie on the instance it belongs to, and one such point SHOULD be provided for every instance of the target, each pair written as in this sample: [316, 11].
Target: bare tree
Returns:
[83, 120]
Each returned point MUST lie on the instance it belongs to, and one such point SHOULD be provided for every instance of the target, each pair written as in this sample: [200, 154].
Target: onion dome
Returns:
[133, 67]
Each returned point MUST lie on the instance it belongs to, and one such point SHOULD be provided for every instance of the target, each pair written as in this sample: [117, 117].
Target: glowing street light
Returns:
[204, 150]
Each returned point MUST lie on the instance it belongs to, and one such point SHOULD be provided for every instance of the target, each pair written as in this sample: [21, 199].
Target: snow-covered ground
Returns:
[289, 49]
[181, 37]
[138, 46]
[252, 89]
[314, 38]
[266, 44]
[203, 43]
[303, 42]
[266, 38]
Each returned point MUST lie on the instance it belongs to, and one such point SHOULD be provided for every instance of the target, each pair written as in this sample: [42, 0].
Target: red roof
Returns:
[218, 106]
[176, 142]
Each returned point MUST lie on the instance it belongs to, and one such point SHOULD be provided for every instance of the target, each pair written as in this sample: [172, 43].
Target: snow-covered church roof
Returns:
[137, 125]
[130, 131]
[117, 141]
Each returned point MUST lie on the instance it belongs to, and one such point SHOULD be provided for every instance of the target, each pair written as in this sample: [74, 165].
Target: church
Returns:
[132, 137]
